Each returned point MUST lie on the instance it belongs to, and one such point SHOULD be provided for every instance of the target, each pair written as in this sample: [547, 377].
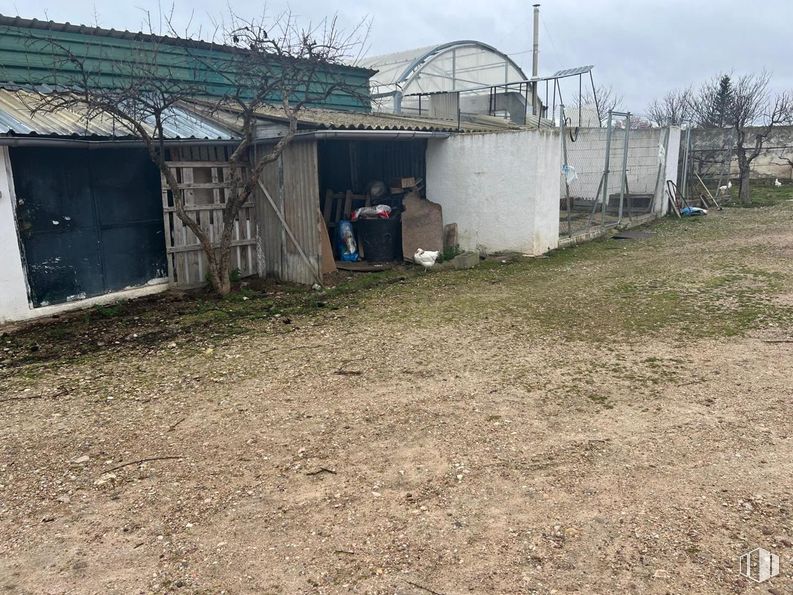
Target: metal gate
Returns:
[90, 221]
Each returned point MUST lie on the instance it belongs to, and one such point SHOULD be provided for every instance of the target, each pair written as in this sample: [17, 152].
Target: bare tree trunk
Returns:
[744, 170]
[745, 195]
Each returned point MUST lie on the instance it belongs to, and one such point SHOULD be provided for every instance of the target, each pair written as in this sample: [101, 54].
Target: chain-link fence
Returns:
[610, 174]
[708, 159]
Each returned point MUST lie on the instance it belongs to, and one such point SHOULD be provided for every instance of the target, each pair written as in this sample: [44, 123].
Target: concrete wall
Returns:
[587, 155]
[502, 189]
[14, 303]
[708, 146]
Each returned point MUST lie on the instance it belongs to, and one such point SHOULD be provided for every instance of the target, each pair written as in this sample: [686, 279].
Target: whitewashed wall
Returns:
[13, 287]
[672, 167]
[502, 189]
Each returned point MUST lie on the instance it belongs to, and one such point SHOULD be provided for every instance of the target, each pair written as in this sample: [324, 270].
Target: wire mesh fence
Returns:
[717, 169]
[610, 174]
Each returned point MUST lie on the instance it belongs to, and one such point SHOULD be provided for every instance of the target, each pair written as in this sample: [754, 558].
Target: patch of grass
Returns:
[109, 311]
[763, 193]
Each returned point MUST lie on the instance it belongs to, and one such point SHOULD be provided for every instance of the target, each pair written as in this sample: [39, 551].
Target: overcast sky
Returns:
[641, 47]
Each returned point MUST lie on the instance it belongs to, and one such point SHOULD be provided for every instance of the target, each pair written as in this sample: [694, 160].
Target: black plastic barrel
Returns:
[381, 239]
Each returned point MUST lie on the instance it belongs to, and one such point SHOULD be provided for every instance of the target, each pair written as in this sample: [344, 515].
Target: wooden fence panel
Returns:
[205, 184]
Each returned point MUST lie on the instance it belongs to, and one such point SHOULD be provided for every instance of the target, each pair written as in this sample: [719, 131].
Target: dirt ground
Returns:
[614, 418]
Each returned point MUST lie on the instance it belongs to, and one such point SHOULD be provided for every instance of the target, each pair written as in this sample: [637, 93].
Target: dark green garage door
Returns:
[90, 221]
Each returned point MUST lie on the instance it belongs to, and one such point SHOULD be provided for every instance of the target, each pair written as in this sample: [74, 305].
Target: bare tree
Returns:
[753, 112]
[634, 122]
[672, 109]
[603, 99]
[282, 64]
[785, 160]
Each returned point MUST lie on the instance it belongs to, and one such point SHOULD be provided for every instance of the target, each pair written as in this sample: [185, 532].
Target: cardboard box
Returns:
[403, 183]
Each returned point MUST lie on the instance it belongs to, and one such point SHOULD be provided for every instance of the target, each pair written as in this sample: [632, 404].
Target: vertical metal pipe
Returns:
[595, 97]
[454, 70]
[535, 58]
[609, 130]
[568, 202]
[624, 163]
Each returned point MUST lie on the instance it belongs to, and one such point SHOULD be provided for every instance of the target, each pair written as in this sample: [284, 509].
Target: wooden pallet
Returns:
[206, 186]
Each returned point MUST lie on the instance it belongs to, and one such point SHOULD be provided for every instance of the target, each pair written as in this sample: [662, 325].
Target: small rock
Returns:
[661, 574]
[64, 499]
[105, 478]
[80, 460]
[466, 260]
[48, 519]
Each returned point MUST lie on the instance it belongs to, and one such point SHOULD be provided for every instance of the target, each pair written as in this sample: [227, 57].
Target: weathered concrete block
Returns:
[466, 260]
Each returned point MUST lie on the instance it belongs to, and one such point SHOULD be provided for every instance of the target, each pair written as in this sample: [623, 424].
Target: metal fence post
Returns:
[624, 164]
[609, 130]
[563, 131]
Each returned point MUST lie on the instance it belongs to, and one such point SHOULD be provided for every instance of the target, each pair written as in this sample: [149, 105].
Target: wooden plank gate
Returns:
[204, 176]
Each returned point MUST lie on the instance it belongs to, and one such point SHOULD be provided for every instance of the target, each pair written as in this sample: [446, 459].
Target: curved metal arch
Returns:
[409, 73]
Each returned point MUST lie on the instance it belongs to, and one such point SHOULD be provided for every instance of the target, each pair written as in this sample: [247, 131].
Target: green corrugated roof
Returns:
[36, 53]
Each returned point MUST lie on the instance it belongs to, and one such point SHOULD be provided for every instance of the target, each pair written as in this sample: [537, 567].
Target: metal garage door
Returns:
[90, 221]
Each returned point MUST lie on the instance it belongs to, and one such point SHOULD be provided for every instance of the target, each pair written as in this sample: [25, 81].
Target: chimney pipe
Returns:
[535, 63]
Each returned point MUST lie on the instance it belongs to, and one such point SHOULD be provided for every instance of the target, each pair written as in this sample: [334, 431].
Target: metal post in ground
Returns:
[624, 164]
[609, 130]
[563, 130]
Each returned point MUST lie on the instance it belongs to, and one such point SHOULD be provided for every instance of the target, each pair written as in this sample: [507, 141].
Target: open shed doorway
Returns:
[377, 174]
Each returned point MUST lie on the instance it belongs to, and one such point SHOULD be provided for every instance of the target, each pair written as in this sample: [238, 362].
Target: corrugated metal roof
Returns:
[136, 36]
[19, 118]
[339, 120]
[201, 120]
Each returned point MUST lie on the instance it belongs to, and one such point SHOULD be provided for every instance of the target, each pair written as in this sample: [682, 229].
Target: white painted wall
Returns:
[672, 162]
[502, 189]
[14, 303]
